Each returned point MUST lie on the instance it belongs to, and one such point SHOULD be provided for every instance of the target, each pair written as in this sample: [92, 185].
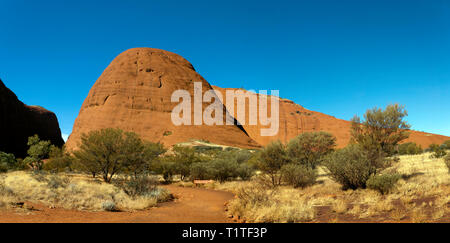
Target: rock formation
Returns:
[134, 94]
[19, 121]
[294, 120]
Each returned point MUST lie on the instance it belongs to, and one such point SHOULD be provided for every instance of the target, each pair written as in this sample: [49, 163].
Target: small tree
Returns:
[351, 166]
[7, 161]
[308, 148]
[409, 148]
[37, 152]
[183, 158]
[110, 151]
[271, 160]
[59, 161]
[381, 130]
[298, 175]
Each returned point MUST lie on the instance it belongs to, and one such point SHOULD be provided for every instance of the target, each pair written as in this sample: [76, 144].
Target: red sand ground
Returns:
[193, 205]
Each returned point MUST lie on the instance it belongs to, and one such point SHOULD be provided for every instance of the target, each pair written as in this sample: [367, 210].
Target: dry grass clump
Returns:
[70, 193]
[422, 195]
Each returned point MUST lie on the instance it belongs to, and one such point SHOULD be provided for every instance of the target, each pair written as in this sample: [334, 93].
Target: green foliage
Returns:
[167, 168]
[438, 152]
[140, 185]
[60, 161]
[271, 159]
[298, 175]
[201, 171]
[383, 183]
[183, 158]
[433, 147]
[37, 152]
[351, 167]
[206, 149]
[309, 148]
[409, 149]
[224, 168]
[111, 151]
[7, 161]
[245, 171]
[381, 130]
[447, 161]
[446, 145]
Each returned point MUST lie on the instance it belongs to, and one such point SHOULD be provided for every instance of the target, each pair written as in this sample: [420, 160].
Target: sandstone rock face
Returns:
[294, 120]
[134, 94]
[19, 121]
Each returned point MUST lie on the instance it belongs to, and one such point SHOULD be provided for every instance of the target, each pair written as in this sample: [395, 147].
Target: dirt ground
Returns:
[192, 205]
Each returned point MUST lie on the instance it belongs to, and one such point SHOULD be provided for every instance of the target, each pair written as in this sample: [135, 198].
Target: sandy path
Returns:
[193, 205]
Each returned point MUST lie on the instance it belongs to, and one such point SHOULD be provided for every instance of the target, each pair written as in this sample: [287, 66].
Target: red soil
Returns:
[193, 205]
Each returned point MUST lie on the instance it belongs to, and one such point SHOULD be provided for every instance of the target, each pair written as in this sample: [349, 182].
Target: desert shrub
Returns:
[7, 161]
[438, 153]
[223, 169]
[55, 181]
[351, 167]
[446, 145]
[257, 193]
[60, 161]
[166, 168]
[183, 158]
[200, 171]
[111, 151]
[245, 171]
[205, 149]
[298, 175]
[308, 148]
[271, 159]
[447, 161]
[409, 149]
[383, 183]
[141, 185]
[109, 206]
[381, 130]
[37, 152]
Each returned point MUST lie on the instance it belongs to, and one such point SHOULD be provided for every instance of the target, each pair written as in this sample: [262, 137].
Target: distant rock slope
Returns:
[134, 94]
[294, 120]
[19, 121]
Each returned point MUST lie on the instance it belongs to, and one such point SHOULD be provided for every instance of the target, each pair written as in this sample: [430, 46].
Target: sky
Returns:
[335, 57]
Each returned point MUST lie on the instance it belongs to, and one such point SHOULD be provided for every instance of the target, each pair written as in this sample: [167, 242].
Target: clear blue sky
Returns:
[336, 57]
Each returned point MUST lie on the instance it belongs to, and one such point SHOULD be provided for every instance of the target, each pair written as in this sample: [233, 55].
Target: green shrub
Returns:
[166, 168]
[37, 152]
[381, 130]
[409, 149]
[383, 183]
[200, 171]
[298, 175]
[245, 171]
[7, 161]
[309, 148]
[141, 185]
[59, 161]
[183, 158]
[439, 153]
[447, 161]
[271, 159]
[351, 167]
[446, 145]
[223, 169]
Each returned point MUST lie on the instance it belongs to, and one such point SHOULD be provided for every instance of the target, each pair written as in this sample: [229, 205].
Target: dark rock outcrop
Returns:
[19, 121]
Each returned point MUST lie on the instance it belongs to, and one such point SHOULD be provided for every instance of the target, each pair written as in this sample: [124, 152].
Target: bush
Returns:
[308, 148]
[60, 161]
[111, 151]
[7, 161]
[183, 158]
[438, 153]
[381, 130]
[245, 171]
[299, 175]
[223, 169]
[200, 171]
[109, 206]
[271, 159]
[37, 152]
[383, 183]
[447, 162]
[409, 149]
[166, 168]
[351, 167]
[141, 185]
